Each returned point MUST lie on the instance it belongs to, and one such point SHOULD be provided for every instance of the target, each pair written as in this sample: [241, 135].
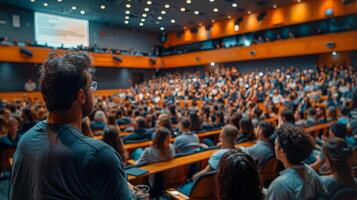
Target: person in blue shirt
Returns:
[340, 130]
[298, 181]
[54, 160]
[340, 157]
[140, 131]
[187, 140]
[12, 137]
[227, 139]
[344, 118]
[263, 149]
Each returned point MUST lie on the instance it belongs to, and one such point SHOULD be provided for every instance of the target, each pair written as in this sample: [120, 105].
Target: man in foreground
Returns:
[54, 160]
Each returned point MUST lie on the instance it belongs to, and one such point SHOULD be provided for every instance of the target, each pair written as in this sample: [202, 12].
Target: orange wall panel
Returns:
[306, 11]
[345, 41]
[340, 58]
[12, 54]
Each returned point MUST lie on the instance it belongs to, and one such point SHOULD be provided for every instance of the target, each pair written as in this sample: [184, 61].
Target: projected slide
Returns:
[55, 30]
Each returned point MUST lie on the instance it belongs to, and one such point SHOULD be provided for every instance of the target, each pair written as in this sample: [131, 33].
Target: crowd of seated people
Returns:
[5, 41]
[239, 104]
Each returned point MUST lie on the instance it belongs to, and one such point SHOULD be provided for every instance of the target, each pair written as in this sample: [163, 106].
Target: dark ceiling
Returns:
[173, 19]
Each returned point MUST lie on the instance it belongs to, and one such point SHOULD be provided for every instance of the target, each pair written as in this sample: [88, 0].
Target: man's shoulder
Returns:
[219, 153]
[65, 133]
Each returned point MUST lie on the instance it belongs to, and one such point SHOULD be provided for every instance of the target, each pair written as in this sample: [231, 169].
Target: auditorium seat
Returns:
[202, 189]
[269, 170]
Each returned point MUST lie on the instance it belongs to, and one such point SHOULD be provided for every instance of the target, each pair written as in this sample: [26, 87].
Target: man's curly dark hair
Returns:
[61, 77]
[296, 144]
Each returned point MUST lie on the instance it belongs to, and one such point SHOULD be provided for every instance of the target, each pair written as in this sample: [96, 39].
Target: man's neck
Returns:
[185, 131]
[65, 117]
[287, 164]
[228, 145]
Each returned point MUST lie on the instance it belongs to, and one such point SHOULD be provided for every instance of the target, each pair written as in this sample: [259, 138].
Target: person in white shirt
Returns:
[30, 86]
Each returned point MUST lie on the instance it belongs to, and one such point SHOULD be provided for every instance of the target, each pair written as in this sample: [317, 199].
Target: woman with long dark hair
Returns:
[238, 177]
[111, 137]
[160, 150]
[339, 157]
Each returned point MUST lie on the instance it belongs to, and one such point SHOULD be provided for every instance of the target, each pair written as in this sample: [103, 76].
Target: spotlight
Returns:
[334, 53]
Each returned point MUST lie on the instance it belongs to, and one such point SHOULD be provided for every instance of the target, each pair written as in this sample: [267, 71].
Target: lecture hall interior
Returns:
[178, 99]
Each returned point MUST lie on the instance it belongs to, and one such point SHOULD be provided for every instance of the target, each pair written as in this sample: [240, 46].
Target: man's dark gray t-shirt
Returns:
[59, 162]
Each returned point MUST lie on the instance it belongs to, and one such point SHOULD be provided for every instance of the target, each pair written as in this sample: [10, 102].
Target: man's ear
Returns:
[81, 96]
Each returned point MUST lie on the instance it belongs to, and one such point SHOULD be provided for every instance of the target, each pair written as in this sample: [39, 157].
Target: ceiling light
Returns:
[141, 24]
[144, 15]
[102, 7]
[173, 21]
[32, 0]
[45, 4]
[149, 2]
[167, 6]
[275, 6]
[234, 5]
[334, 53]
[74, 7]
[229, 17]
[127, 12]
[249, 12]
[236, 27]
[188, 1]
[298, 1]
[142, 19]
[128, 5]
[183, 9]
[146, 9]
[162, 28]
[83, 12]
[126, 22]
[196, 12]
[159, 18]
[126, 17]
[59, 0]
[212, 63]
[215, 9]
[211, 0]
[163, 12]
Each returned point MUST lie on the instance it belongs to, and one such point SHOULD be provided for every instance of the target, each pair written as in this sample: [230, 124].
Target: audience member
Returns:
[187, 140]
[140, 131]
[246, 131]
[263, 149]
[111, 136]
[160, 150]
[11, 139]
[238, 177]
[339, 156]
[227, 141]
[57, 148]
[297, 181]
[30, 86]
